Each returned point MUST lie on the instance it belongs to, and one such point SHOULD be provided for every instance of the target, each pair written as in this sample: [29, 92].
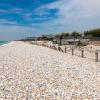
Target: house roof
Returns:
[73, 40]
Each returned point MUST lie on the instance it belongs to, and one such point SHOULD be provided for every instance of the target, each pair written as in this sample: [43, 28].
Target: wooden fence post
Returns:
[82, 53]
[58, 48]
[96, 56]
[72, 51]
[65, 49]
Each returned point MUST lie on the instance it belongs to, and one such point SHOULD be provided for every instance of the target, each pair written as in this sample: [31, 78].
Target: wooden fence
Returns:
[81, 51]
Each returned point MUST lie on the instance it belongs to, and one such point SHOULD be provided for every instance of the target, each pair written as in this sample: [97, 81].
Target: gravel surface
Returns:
[31, 72]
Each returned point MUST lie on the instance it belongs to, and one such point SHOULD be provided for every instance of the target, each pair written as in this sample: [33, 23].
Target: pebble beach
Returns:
[31, 72]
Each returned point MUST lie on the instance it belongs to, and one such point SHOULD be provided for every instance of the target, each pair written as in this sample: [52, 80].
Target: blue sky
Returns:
[25, 18]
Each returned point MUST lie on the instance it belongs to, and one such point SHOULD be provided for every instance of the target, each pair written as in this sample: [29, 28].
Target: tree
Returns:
[92, 33]
[75, 34]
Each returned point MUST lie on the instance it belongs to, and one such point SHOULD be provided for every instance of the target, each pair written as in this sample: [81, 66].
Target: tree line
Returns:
[92, 33]
[95, 33]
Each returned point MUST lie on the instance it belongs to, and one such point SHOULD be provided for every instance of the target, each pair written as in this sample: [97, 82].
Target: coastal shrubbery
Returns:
[90, 34]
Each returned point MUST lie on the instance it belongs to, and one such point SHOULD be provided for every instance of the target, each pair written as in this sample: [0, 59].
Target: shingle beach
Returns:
[31, 72]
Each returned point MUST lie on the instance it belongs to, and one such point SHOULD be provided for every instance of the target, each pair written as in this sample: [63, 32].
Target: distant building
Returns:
[71, 41]
[66, 41]
[84, 41]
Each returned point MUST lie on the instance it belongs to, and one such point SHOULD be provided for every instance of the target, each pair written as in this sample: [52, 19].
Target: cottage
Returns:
[84, 41]
[73, 41]
[66, 41]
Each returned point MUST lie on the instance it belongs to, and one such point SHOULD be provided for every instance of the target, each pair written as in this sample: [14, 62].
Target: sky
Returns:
[26, 18]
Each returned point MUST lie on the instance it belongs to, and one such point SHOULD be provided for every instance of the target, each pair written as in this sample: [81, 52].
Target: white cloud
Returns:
[73, 14]
[72, 7]
[5, 21]
[9, 32]
[19, 11]
[11, 10]
[15, 29]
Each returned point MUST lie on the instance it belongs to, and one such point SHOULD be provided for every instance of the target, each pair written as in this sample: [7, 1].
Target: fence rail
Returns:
[81, 52]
